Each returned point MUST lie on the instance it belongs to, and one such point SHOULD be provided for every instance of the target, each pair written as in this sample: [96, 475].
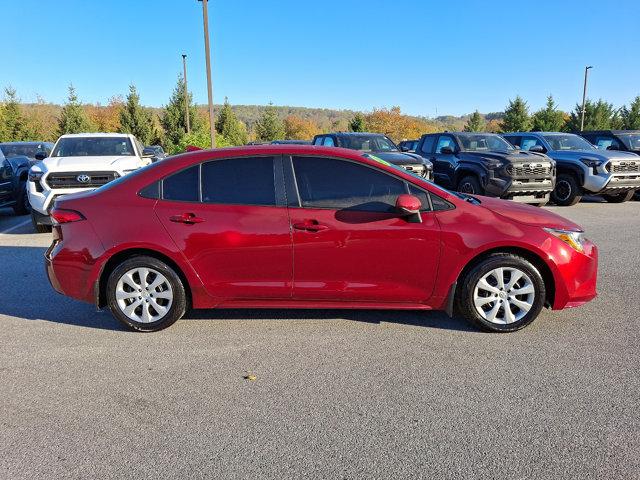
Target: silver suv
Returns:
[582, 168]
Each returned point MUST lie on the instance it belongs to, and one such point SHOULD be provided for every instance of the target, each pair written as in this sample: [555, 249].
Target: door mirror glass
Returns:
[613, 147]
[446, 151]
[538, 149]
[40, 156]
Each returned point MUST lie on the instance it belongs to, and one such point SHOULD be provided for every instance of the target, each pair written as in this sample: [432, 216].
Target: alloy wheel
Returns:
[144, 295]
[563, 190]
[504, 295]
[466, 187]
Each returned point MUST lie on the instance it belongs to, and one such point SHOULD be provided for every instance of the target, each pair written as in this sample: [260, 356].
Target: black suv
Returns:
[624, 140]
[14, 172]
[380, 146]
[486, 164]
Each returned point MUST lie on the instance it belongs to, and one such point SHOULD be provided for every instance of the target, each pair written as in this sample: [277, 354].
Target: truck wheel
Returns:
[567, 191]
[470, 185]
[503, 293]
[619, 197]
[38, 227]
[22, 206]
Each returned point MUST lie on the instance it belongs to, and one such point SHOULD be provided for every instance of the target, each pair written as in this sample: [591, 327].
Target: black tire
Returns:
[619, 197]
[567, 191]
[179, 302]
[470, 185]
[22, 206]
[465, 293]
[38, 227]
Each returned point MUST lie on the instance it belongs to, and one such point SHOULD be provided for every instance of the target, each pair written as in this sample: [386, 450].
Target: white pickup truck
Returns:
[80, 162]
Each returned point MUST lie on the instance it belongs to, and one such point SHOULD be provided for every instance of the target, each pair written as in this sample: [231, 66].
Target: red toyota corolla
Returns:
[310, 227]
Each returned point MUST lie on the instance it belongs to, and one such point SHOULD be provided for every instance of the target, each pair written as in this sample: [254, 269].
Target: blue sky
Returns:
[447, 57]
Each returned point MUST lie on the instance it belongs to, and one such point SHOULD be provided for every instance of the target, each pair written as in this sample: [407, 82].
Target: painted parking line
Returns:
[15, 227]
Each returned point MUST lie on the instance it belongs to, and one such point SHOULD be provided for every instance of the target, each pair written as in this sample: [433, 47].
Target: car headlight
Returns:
[35, 176]
[572, 238]
[591, 162]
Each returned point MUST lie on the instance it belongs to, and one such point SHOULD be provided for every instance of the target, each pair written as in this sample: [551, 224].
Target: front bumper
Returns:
[513, 182]
[576, 275]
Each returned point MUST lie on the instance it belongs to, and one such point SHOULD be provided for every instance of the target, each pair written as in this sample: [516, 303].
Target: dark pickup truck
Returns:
[486, 164]
[14, 172]
[379, 145]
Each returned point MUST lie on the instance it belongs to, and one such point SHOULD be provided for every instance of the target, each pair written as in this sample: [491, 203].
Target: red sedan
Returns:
[310, 227]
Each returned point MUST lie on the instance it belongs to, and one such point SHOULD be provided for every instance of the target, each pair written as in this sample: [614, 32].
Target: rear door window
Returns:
[239, 181]
[445, 141]
[328, 142]
[182, 186]
[527, 142]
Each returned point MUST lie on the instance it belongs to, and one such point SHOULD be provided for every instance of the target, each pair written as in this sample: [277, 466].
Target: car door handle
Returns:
[310, 226]
[186, 218]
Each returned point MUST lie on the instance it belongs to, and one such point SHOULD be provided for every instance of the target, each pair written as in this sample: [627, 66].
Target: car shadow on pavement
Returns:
[429, 319]
[25, 293]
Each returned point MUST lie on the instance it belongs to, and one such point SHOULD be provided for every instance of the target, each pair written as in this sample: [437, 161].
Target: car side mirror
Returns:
[446, 151]
[409, 206]
[538, 149]
[40, 156]
[613, 147]
[404, 148]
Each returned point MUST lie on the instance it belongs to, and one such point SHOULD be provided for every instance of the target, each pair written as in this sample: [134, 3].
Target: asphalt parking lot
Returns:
[336, 394]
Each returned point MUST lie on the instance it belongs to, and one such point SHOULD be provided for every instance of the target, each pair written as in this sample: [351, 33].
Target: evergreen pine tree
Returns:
[631, 116]
[358, 123]
[598, 116]
[135, 119]
[516, 117]
[73, 118]
[269, 126]
[228, 125]
[549, 118]
[174, 120]
[475, 123]
[13, 125]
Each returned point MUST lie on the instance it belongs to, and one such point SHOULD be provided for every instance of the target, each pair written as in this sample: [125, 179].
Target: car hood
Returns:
[516, 156]
[89, 163]
[602, 155]
[401, 158]
[527, 214]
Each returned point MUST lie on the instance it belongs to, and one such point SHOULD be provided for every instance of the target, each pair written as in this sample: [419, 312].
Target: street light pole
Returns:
[186, 93]
[205, 18]
[584, 95]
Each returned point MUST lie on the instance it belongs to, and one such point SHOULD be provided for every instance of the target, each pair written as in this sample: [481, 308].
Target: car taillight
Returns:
[60, 216]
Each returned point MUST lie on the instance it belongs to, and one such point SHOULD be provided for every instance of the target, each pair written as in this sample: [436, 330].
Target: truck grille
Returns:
[528, 169]
[624, 166]
[80, 179]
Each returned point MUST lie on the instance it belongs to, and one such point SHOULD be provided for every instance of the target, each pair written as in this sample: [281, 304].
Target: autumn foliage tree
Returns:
[297, 128]
[395, 125]
[106, 118]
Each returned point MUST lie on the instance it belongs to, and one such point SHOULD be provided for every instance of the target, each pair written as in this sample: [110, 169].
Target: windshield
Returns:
[368, 143]
[568, 142]
[22, 150]
[631, 140]
[93, 146]
[484, 142]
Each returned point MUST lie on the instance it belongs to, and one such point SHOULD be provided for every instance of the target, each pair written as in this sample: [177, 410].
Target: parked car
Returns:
[221, 229]
[408, 146]
[154, 152]
[379, 145]
[623, 140]
[80, 162]
[26, 149]
[582, 168]
[290, 142]
[13, 179]
[486, 164]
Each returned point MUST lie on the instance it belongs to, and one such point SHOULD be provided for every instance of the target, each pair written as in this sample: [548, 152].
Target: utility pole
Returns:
[205, 18]
[584, 95]
[186, 93]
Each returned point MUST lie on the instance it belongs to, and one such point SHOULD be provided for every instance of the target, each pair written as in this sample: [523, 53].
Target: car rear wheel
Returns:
[38, 227]
[503, 293]
[470, 185]
[22, 206]
[146, 294]
[567, 191]
[619, 197]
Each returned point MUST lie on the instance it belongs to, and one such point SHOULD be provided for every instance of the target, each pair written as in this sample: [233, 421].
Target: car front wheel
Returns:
[146, 294]
[470, 185]
[567, 191]
[22, 206]
[503, 293]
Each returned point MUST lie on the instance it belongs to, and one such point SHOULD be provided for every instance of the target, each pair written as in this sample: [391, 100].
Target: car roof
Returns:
[613, 132]
[537, 133]
[352, 134]
[26, 143]
[95, 134]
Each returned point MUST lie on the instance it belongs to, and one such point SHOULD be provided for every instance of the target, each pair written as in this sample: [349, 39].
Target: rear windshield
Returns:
[93, 147]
